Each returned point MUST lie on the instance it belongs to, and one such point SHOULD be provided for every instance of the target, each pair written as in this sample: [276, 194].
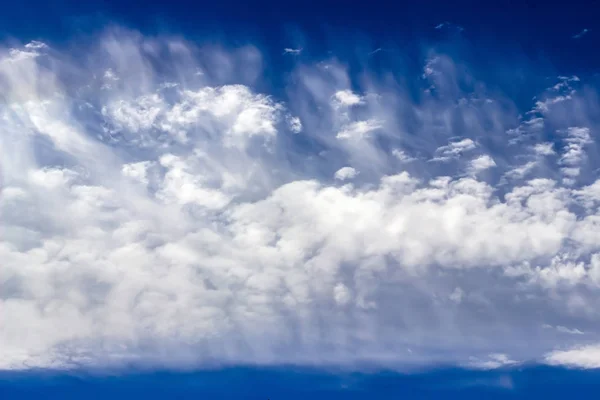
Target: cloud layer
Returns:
[159, 210]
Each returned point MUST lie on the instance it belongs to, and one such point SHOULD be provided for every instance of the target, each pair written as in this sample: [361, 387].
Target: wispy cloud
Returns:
[564, 329]
[292, 51]
[449, 26]
[455, 149]
[493, 361]
[359, 129]
[581, 34]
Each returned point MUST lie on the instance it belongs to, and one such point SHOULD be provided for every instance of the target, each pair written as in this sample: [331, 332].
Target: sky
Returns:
[275, 200]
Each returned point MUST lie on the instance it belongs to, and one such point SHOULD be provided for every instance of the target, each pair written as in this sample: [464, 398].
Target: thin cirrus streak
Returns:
[159, 210]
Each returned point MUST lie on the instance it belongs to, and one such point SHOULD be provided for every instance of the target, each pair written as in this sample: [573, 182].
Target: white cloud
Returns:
[295, 124]
[564, 329]
[482, 163]
[35, 45]
[449, 26]
[347, 98]
[136, 115]
[244, 113]
[570, 331]
[137, 171]
[493, 361]
[457, 295]
[582, 33]
[454, 149]
[544, 149]
[359, 129]
[429, 69]
[587, 357]
[573, 153]
[172, 225]
[565, 83]
[289, 50]
[341, 294]
[345, 173]
[543, 106]
[30, 50]
[520, 172]
[239, 113]
[576, 139]
[402, 156]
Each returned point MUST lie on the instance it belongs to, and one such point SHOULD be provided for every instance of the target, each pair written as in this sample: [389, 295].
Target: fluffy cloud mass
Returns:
[158, 209]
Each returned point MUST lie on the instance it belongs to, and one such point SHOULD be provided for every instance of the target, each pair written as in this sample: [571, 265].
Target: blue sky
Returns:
[272, 201]
[252, 383]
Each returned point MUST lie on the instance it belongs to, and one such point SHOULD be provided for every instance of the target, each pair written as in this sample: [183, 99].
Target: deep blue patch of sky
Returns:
[290, 383]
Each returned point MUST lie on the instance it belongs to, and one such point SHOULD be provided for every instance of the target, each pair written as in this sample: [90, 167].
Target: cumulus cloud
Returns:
[347, 98]
[482, 163]
[544, 149]
[345, 173]
[294, 124]
[587, 357]
[152, 215]
[573, 154]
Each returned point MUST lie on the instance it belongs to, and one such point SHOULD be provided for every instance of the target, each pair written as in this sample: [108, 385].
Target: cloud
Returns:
[573, 153]
[565, 83]
[295, 124]
[581, 34]
[456, 149]
[359, 129]
[457, 295]
[154, 216]
[587, 357]
[482, 163]
[289, 50]
[347, 98]
[402, 156]
[564, 329]
[449, 26]
[345, 173]
[544, 149]
[493, 361]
